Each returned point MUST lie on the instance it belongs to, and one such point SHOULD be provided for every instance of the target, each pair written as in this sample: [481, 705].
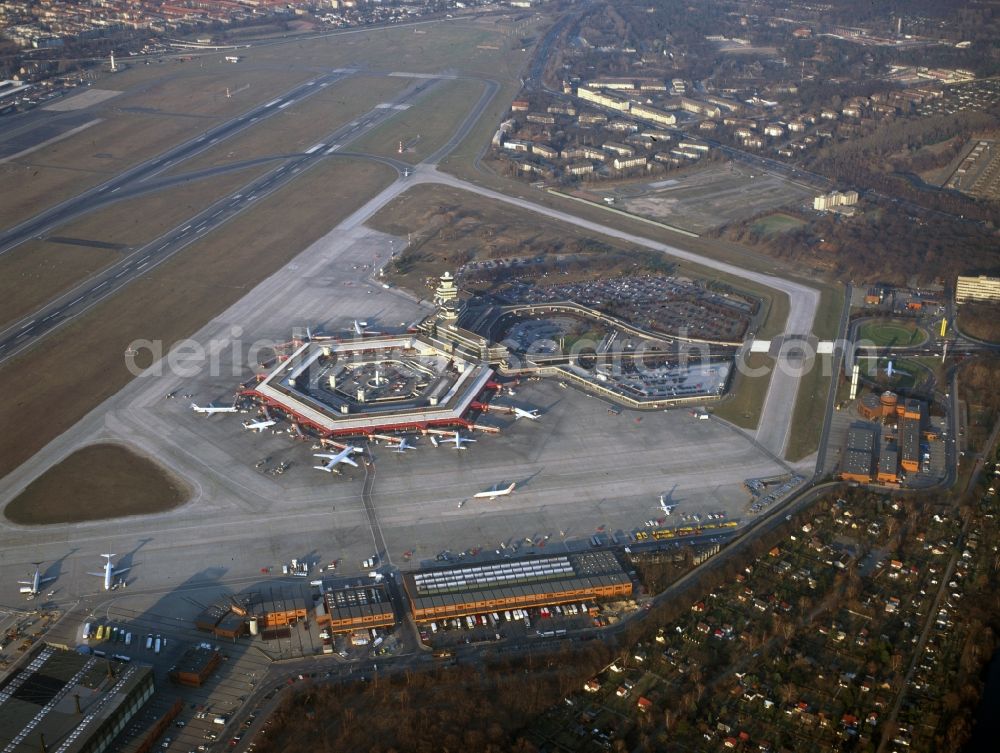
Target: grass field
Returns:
[893, 332]
[163, 104]
[70, 491]
[426, 126]
[814, 387]
[34, 273]
[157, 114]
[747, 397]
[777, 223]
[300, 126]
[171, 302]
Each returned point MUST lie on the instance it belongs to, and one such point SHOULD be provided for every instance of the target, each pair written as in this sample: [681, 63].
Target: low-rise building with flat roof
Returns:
[355, 608]
[515, 584]
[195, 665]
[67, 702]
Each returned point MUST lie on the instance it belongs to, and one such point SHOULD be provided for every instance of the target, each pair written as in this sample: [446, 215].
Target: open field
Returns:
[896, 333]
[151, 115]
[748, 391]
[34, 273]
[426, 126]
[777, 223]
[162, 104]
[703, 198]
[300, 126]
[810, 405]
[98, 482]
[171, 302]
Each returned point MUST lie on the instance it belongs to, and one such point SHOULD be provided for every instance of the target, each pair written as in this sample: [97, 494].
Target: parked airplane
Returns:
[359, 327]
[110, 572]
[459, 441]
[258, 425]
[495, 492]
[34, 586]
[344, 456]
[664, 507]
[522, 413]
[210, 409]
[403, 446]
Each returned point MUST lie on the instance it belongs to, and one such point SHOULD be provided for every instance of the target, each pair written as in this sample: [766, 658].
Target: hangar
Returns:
[515, 584]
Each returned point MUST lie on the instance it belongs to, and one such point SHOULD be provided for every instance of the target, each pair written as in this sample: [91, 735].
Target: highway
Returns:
[101, 194]
[29, 330]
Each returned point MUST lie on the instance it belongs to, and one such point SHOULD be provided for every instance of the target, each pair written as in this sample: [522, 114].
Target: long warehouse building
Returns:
[515, 584]
[66, 702]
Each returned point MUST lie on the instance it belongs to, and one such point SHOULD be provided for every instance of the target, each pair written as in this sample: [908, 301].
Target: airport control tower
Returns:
[446, 299]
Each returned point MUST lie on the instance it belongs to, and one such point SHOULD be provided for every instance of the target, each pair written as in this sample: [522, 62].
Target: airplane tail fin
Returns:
[109, 556]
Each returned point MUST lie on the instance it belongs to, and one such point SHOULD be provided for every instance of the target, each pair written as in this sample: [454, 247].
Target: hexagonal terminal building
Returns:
[372, 384]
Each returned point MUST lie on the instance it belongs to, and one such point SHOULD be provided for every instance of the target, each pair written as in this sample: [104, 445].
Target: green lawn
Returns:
[892, 332]
[777, 223]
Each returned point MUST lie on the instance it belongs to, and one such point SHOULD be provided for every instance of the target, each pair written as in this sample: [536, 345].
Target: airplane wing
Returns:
[349, 461]
[120, 570]
[99, 575]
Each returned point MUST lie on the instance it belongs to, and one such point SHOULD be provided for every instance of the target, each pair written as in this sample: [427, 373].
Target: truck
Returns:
[149, 642]
[86, 631]
[157, 644]
[128, 639]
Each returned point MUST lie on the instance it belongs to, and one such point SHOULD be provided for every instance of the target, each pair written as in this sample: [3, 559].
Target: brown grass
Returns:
[748, 392]
[71, 491]
[34, 273]
[184, 99]
[300, 126]
[181, 108]
[170, 303]
[426, 126]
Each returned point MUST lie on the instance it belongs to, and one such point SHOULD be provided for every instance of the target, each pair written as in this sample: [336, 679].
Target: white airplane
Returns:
[459, 441]
[34, 586]
[210, 409]
[403, 446]
[258, 425]
[522, 413]
[344, 456]
[664, 507]
[359, 327]
[110, 572]
[495, 492]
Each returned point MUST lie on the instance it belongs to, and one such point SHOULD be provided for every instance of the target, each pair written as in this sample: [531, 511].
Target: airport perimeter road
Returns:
[23, 334]
[776, 415]
[101, 194]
